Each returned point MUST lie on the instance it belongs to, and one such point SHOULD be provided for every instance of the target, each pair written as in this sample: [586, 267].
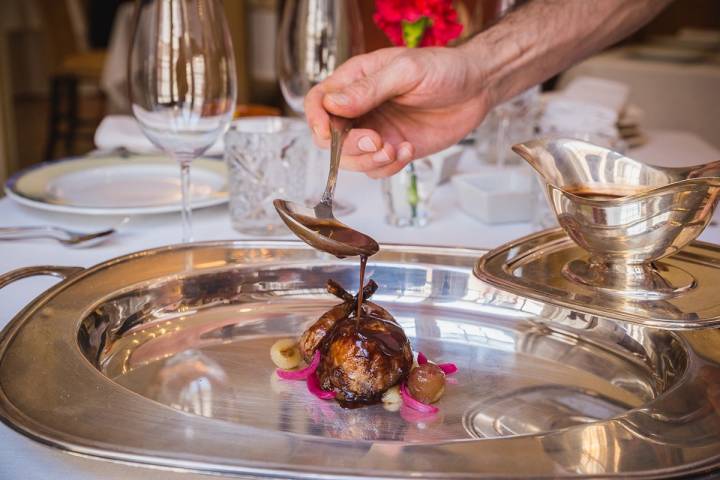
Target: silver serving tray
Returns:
[161, 358]
[535, 267]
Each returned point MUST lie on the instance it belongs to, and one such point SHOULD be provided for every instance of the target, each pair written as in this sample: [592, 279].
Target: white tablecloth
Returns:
[673, 95]
[22, 458]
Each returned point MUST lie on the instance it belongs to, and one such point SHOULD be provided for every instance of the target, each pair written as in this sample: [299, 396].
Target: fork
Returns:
[66, 237]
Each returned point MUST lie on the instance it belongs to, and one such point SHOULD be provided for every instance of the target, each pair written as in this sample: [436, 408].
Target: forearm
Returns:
[545, 37]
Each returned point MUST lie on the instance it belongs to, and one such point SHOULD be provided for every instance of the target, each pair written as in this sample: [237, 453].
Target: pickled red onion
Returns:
[448, 368]
[313, 386]
[303, 373]
[415, 404]
[410, 415]
[421, 358]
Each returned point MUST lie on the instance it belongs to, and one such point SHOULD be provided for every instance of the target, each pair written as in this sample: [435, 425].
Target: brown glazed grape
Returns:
[426, 383]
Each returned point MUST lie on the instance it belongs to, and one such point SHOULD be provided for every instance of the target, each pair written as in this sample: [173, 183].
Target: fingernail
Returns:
[381, 157]
[367, 145]
[404, 154]
[318, 131]
[339, 98]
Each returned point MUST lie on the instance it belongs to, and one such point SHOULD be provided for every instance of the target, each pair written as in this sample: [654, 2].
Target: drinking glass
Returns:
[181, 73]
[407, 193]
[266, 159]
[512, 122]
[316, 37]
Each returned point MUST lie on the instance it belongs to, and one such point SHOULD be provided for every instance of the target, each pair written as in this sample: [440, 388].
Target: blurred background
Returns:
[62, 68]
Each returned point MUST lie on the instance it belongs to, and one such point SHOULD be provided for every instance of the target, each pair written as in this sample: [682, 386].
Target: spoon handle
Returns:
[339, 128]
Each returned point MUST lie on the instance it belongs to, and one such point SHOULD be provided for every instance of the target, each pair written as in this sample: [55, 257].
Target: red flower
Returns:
[441, 18]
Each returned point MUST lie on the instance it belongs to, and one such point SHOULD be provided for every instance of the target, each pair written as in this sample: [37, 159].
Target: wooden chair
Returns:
[80, 67]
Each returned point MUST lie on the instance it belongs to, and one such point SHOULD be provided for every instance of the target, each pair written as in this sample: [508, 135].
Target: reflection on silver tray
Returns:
[162, 358]
[536, 267]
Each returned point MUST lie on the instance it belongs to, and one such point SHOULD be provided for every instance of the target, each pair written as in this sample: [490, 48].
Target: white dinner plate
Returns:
[116, 185]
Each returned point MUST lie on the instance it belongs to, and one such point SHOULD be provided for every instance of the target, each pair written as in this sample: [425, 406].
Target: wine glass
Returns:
[316, 37]
[181, 74]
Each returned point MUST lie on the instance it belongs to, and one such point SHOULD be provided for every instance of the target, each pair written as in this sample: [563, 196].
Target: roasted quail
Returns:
[361, 357]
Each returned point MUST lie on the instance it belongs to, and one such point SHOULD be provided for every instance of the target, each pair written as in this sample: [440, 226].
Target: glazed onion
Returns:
[415, 404]
[285, 354]
[313, 386]
[448, 368]
[392, 395]
[303, 373]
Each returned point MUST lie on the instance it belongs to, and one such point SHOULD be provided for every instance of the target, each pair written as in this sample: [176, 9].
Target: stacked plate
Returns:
[117, 185]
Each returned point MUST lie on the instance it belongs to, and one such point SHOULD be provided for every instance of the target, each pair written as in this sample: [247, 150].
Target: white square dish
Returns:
[497, 195]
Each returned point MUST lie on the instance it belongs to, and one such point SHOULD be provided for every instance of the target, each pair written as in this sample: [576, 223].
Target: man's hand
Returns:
[408, 102]
[413, 102]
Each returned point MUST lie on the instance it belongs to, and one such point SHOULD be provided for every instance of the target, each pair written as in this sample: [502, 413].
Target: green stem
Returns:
[413, 31]
[412, 35]
[413, 197]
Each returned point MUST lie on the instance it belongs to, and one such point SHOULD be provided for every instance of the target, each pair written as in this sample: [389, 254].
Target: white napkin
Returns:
[599, 92]
[587, 104]
[123, 131]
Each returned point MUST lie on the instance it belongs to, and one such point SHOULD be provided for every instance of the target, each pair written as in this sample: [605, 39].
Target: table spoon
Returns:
[317, 226]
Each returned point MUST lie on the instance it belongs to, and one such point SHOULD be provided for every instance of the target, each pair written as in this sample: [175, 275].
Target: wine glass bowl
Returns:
[181, 76]
[316, 37]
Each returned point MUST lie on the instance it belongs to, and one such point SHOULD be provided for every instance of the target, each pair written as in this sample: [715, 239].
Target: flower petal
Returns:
[313, 386]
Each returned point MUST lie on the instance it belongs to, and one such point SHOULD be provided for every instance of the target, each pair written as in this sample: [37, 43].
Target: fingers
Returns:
[358, 142]
[365, 151]
[369, 161]
[351, 70]
[405, 154]
[361, 154]
[316, 115]
[357, 87]
[368, 92]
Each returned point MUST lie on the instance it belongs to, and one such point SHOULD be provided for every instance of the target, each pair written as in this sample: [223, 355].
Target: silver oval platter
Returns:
[162, 358]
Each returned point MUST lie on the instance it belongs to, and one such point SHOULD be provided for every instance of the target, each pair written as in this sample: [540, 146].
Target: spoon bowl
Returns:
[317, 226]
[324, 233]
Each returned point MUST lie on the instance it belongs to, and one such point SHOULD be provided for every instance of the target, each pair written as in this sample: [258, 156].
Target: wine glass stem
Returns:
[187, 234]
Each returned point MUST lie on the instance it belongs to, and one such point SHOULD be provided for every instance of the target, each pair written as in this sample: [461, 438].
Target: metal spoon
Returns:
[317, 226]
[66, 237]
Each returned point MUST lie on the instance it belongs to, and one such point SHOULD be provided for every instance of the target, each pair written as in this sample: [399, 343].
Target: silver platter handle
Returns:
[52, 270]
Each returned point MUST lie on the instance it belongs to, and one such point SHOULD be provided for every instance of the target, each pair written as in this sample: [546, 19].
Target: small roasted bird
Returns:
[361, 356]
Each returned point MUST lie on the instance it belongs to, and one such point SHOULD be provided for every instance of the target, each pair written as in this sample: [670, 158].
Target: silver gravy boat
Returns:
[627, 215]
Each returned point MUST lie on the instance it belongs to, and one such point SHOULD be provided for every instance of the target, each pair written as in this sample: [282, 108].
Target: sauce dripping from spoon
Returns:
[363, 264]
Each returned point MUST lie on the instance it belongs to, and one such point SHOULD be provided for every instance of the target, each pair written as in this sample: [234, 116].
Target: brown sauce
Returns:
[363, 264]
[608, 193]
[598, 196]
[352, 405]
[336, 231]
[390, 341]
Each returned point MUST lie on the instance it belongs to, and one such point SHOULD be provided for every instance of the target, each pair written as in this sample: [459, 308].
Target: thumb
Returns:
[371, 91]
